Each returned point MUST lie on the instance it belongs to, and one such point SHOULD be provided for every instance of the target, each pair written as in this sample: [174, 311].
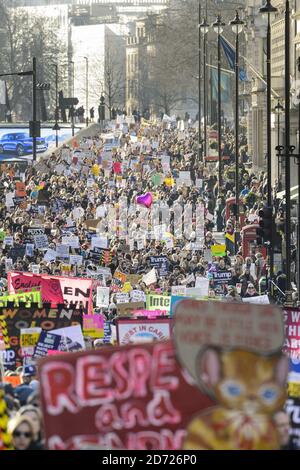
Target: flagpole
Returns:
[253, 69]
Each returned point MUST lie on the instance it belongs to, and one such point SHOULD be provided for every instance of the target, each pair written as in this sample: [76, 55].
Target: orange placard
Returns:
[14, 380]
[20, 189]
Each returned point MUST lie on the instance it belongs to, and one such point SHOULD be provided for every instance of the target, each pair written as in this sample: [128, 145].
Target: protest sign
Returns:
[26, 298]
[46, 318]
[137, 296]
[122, 298]
[4, 337]
[127, 309]
[62, 251]
[291, 318]
[28, 340]
[29, 250]
[260, 299]
[45, 342]
[50, 255]
[202, 284]
[89, 398]
[8, 265]
[99, 242]
[93, 326]
[102, 299]
[71, 241]
[136, 331]
[72, 292]
[149, 278]
[158, 302]
[71, 338]
[252, 327]
[41, 242]
[8, 241]
[147, 313]
[161, 264]
[218, 250]
[221, 279]
[292, 407]
[14, 380]
[178, 290]
[17, 252]
[76, 260]
[20, 189]
[5, 436]
[35, 268]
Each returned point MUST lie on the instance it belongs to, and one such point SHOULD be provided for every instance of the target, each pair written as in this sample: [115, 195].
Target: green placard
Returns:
[218, 250]
[158, 302]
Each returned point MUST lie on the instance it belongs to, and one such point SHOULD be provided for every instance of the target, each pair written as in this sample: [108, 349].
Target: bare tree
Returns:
[27, 36]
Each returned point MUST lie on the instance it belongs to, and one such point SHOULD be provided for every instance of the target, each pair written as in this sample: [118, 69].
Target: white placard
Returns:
[76, 260]
[29, 250]
[100, 212]
[59, 169]
[102, 298]
[8, 241]
[203, 284]
[35, 269]
[260, 299]
[41, 242]
[178, 290]
[77, 213]
[9, 199]
[50, 255]
[122, 298]
[8, 265]
[62, 251]
[137, 296]
[72, 241]
[99, 242]
[209, 216]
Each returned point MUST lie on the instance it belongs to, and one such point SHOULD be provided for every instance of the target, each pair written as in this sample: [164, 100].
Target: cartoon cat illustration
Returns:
[249, 388]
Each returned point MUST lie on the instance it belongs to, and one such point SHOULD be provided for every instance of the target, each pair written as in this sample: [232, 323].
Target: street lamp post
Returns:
[218, 28]
[56, 126]
[34, 125]
[87, 90]
[268, 10]
[287, 146]
[278, 109]
[204, 28]
[73, 92]
[237, 27]
[200, 150]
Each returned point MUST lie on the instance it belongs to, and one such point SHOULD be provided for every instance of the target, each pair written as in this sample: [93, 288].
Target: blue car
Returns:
[20, 143]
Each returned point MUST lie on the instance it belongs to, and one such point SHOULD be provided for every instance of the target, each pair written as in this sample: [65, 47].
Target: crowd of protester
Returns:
[78, 178]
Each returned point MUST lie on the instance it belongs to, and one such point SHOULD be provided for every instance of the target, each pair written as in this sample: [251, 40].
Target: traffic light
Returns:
[265, 230]
[35, 128]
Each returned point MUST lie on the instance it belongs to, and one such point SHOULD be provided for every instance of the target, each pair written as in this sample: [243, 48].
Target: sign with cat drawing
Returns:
[233, 352]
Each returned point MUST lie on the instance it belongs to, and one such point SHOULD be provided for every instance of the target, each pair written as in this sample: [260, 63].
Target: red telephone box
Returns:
[229, 210]
[249, 245]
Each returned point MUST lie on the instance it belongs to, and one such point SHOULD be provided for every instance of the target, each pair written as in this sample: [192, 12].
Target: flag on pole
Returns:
[225, 86]
[230, 56]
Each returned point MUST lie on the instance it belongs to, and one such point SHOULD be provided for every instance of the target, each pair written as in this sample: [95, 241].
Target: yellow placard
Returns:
[218, 250]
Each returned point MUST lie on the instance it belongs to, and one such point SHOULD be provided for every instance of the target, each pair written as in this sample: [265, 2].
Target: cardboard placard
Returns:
[151, 386]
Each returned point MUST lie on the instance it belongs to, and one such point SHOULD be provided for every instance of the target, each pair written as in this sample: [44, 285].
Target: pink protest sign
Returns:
[149, 313]
[292, 332]
[132, 397]
[73, 292]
